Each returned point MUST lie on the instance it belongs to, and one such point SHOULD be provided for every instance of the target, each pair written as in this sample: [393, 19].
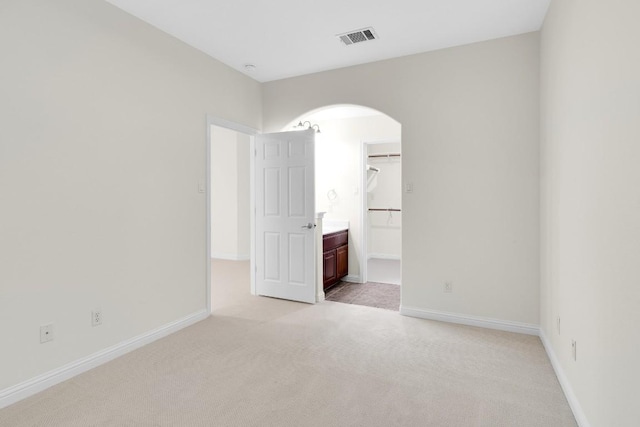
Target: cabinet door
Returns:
[330, 268]
[342, 261]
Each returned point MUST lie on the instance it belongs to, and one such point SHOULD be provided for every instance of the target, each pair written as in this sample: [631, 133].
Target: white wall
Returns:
[470, 136]
[102, 151]
[338, 158]
[224, 193]
[590, 210]
[244, 193]
[385, 228]
[229, 194]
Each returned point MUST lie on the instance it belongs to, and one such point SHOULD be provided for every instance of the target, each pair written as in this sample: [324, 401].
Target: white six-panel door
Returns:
[285, 216]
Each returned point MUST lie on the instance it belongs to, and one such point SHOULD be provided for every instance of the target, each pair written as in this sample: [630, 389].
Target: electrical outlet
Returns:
[96, 318]
[448, 287]
[574, 346]
[558, 324]
[46, 333]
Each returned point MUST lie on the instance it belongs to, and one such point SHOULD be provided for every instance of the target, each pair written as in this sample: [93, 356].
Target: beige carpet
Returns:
[265, 362]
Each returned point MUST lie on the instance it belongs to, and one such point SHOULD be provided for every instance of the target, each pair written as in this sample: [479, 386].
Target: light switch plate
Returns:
[408, 187]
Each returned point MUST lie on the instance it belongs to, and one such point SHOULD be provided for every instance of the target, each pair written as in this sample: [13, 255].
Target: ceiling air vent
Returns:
[358, 36]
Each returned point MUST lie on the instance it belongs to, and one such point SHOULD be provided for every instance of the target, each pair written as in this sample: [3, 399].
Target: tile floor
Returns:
[380, 295]
[381, 291]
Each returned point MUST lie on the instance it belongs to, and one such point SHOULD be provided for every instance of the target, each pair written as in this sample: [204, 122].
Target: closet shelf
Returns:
[388, 155]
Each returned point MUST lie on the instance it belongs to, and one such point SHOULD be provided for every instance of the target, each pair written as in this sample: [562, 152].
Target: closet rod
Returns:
[384, 155]
[385, 210]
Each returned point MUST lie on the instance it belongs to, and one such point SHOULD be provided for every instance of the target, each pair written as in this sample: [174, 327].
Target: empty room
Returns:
[180, 199]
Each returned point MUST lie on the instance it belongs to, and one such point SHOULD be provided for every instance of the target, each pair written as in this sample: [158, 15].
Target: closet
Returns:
[384, 212]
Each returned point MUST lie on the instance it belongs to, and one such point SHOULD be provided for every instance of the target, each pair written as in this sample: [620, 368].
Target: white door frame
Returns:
[364, 203]
[247, 130]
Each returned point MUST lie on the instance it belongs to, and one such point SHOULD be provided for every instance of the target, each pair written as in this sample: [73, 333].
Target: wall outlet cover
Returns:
[96, 317]
[46, 333]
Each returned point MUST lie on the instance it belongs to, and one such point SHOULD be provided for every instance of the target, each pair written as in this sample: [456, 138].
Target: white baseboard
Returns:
[35, 385]
[578, 413]
[463, 319]
[352, 279]
[384, 256]
[231, 257]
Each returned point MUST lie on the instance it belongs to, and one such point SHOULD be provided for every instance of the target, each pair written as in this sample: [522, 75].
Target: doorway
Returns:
[383, 207]
[230, 218]
[373, 243]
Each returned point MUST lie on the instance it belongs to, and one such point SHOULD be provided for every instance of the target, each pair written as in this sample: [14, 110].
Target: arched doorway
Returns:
[358, 185]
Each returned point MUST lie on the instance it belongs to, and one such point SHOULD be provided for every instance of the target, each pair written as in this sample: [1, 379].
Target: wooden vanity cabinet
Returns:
[330, 268]
[342, 261]
[335, 257]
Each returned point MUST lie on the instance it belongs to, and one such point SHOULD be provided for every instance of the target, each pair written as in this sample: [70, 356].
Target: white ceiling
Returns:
[286, 38]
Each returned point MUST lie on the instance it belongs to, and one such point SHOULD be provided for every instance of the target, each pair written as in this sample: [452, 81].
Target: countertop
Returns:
[333, 225]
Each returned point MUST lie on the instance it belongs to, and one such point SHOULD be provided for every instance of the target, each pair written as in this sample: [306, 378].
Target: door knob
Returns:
[309, 225]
